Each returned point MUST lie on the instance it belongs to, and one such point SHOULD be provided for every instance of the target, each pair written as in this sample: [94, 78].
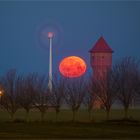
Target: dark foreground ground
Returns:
[69, 130]
[116, 128]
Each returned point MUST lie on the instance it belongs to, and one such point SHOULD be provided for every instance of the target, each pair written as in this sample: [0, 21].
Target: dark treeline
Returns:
[121, 84]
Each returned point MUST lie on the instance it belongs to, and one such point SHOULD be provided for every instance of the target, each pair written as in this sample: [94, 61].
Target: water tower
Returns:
[101, 62]
[100, 58]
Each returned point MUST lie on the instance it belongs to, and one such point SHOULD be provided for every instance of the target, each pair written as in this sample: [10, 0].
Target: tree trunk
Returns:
[73, 116]
[107, 114]
[57, 110]
[42, 116]
[12, 116]
[126, 112]
[27, 116]
[56, 116]
[89, 115]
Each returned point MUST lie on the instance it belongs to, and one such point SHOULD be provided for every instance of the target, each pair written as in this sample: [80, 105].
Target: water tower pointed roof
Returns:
[101, 46]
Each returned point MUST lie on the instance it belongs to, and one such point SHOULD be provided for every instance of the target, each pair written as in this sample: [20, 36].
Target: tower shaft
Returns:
[50, 65]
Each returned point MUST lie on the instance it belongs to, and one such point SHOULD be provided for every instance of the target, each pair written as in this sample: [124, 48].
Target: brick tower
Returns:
[100, 58]
[101, 62]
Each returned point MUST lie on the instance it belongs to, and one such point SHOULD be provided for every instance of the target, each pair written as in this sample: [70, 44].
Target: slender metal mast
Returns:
[50, 37]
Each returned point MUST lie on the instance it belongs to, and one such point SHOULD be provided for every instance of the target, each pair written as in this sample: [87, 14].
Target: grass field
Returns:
[64, 128]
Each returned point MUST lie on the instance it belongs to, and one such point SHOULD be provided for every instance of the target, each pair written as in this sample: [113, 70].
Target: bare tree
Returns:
[105, 90]
[9, 100]
[137, 89]
[42, 95]
[126, 74]
[75, 92]
[57, 96]
[89, 102]
[26, 92]
[90, 97]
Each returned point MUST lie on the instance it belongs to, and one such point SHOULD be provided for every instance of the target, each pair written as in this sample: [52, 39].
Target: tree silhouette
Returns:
[105, 90]
[57, 96]
[89, 97]
[41, 100]
[126, 72]
[74, 94]
[26, 92]
[9, 100]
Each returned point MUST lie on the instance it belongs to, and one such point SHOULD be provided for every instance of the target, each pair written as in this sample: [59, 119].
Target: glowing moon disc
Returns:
[72, 66]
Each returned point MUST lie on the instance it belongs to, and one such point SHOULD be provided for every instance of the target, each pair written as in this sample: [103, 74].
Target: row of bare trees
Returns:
[122, 83]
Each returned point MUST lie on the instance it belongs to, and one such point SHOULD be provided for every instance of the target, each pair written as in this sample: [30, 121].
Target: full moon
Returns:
[72, 67]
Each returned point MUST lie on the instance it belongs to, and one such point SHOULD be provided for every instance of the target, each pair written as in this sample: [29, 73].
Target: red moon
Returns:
[72, 67]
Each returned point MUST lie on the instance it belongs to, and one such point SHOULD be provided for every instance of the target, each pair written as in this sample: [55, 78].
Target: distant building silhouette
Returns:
[100, 59]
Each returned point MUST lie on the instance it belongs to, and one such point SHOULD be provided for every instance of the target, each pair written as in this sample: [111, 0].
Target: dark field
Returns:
[64, 128]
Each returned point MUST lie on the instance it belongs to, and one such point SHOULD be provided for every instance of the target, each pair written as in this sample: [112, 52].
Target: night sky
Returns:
[78, 26]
